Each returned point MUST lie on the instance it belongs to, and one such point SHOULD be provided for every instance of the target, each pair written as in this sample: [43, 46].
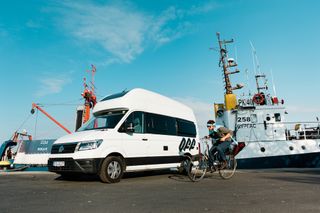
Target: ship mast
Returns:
[89, 96]
[226, 63]
[224, 56]
[260, 88]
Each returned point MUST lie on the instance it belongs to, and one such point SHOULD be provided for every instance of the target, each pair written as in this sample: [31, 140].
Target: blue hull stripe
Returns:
[309, 160]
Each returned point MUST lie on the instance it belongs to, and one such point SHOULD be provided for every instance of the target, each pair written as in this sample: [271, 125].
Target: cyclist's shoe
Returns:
[210, 169]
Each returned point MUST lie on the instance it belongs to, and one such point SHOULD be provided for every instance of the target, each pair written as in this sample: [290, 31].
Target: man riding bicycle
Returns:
[222, 141]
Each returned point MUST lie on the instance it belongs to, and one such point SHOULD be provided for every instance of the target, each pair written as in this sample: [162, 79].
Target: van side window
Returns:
[186, 128]
[160, 124]
[136, 120]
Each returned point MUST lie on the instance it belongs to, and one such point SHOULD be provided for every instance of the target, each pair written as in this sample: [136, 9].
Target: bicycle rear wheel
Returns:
[197, 169]
[230, 169]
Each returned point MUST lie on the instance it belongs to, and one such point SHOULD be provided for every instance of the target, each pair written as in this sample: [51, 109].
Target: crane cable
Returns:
[24, 122]
[36, 123]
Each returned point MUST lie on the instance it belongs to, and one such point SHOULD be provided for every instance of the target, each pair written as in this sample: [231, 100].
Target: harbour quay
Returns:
[269, 190]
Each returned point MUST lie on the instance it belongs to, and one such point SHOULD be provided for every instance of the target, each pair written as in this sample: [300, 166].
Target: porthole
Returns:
[291, 148]
[262, 149]
[303, 147]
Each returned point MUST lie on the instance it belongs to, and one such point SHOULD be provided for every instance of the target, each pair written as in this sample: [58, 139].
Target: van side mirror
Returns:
[129, 127]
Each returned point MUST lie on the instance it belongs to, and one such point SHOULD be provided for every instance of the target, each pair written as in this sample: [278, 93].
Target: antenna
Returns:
[248, 81]
[256, 64]
[236, 53]
[273, 85]
[93, 72]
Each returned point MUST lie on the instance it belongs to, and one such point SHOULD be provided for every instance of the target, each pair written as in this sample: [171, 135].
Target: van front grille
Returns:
[63, 148]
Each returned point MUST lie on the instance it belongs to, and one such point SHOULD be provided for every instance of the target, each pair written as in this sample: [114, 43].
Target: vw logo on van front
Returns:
[61, 148]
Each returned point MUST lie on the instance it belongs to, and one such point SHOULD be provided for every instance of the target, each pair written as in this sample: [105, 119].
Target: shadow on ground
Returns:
[130, 175]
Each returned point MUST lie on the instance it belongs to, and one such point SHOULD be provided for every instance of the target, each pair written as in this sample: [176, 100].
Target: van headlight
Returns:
[88, 145]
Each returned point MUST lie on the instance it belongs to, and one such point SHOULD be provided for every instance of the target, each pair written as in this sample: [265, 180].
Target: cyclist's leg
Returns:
[222, 149]
[221, 155]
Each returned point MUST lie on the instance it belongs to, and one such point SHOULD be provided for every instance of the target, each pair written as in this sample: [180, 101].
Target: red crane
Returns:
[89, 95]
[49, 116]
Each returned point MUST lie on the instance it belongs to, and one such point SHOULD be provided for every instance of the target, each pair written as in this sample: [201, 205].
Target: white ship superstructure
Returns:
[259, 121]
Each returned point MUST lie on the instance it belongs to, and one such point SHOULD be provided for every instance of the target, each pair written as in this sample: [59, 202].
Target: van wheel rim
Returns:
[114, 169]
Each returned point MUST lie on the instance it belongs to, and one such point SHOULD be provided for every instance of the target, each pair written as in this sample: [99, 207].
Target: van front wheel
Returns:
[111, 169]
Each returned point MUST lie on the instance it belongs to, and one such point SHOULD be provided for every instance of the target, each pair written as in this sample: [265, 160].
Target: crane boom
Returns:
[49, 116]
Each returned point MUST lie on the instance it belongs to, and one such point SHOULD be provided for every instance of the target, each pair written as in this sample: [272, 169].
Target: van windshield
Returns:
[106, 120]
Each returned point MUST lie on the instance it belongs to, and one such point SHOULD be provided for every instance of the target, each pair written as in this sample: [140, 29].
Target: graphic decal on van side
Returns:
[187, 144]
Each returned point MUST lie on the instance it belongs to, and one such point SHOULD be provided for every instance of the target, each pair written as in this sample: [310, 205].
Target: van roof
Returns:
[144, 100]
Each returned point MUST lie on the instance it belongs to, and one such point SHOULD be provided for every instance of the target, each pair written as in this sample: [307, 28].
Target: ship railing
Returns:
[291, 130]
[302, 130]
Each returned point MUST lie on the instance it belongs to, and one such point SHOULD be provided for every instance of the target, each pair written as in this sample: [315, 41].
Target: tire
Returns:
[111, 170]
[230, 169]
[183, 169]
[197, 169]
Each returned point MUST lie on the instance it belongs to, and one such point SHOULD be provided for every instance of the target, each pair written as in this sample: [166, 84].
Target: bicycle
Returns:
[198, 168]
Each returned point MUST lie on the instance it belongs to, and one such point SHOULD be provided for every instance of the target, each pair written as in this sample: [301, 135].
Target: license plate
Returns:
[58, 163]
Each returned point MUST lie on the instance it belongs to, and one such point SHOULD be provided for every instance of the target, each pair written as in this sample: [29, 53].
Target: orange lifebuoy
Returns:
[258, 98]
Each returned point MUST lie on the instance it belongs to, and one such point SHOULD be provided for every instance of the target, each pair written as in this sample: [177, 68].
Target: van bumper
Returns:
[70, 165]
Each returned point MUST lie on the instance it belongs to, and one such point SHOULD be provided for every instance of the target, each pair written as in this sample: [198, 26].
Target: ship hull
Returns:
[280, 154]
[305, 160]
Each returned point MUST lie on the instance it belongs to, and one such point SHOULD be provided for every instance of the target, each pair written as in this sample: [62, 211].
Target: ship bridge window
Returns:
[277, 117]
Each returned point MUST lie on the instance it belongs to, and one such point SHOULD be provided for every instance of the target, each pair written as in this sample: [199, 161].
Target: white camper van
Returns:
[130, 131]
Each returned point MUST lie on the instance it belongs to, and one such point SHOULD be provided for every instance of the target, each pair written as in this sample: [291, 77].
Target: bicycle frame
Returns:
[198, 169]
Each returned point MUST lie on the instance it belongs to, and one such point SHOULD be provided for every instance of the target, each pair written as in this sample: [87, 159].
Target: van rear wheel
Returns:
[111, 169]
[184, 165]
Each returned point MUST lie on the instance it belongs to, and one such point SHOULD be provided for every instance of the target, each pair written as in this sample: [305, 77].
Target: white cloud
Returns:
[52, 85]
[122, 30]
[168, 26]
[205, 8]
[117, 29]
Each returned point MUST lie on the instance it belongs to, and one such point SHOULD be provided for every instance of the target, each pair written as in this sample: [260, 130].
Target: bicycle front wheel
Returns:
[197, 169]
[230, 169]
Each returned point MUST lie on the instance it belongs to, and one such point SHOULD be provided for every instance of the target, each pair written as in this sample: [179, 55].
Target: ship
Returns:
[259, 120]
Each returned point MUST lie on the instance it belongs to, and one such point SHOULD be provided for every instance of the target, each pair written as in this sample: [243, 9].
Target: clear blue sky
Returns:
[46, 47]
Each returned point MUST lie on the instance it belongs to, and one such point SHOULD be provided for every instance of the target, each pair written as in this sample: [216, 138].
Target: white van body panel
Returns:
[133, 147]
[144, 100]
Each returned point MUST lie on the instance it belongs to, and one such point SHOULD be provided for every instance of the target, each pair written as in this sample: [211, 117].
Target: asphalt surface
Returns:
[289, 190]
